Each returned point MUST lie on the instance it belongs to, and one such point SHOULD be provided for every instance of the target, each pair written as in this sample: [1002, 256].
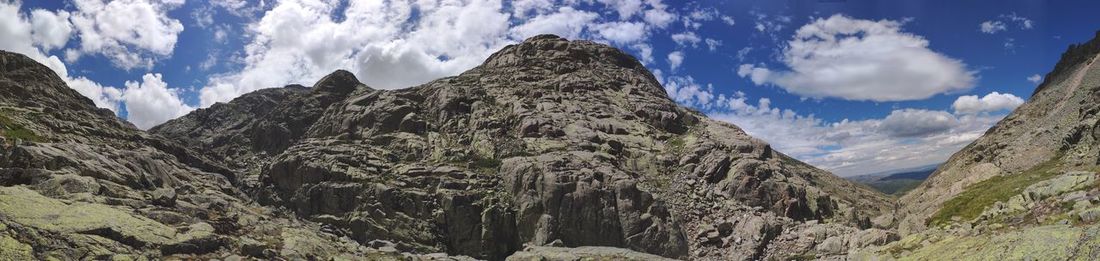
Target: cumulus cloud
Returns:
[1035, 78]
[658, 15]
[1002, 22]
[992, 102]
[917, 123]
[904, 138]
[684, 90]
[675, 59]
[728, 20]
[50, 30]
[991, 27]
[622, 32]
[151, 102]
[399, 44]
[1023, 22]
[686, 39]
[625, 8]
[131, 33]
[567, 22]
[862, 60]
[103, 96]
[713, 44]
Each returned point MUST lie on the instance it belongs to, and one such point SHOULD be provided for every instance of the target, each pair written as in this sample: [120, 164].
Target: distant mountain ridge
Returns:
[895, 182]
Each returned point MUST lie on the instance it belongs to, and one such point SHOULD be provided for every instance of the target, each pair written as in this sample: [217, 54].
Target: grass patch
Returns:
[676, 144]
[9, 129]
[970, 203]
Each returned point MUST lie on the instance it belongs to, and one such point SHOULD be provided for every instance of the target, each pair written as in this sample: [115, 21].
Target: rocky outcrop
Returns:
[548, 141]
[76, 182]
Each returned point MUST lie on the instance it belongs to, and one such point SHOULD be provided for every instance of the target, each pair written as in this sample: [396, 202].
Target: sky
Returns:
[854, 87]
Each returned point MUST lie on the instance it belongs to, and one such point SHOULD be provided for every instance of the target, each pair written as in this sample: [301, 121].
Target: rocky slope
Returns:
[1027, 188]
[550, 144]
[76, 182]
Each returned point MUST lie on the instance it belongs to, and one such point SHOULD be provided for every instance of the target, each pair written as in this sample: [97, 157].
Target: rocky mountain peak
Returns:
[1074, 55]
[340, 81]
[559, 56]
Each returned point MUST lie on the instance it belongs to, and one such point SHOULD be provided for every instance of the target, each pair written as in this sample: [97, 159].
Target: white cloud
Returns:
[992, 27]
[742, 53]
[524, 8]
[728, 20]
[1035, 78]
[1010, 44]
[686, 39]
[917, 123]
[102, 96]
[992, 102]
[685, 90]
[1001, 23]
[712, 44]
[658, 16]
[50, 30]
[695, 18]
[400, 44]
[567, 22]
[904, 138]
[625, 8]
[675, 59]
[621, 32]
[132, 33]
[151, 102]
[862, 60]
[1023, 22]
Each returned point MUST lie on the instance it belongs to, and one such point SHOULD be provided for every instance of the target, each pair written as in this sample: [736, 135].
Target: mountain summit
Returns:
[551, 147]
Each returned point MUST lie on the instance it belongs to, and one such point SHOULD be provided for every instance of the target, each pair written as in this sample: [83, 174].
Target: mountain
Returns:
[550, 142]
[551, 149]
[1027, 189]
[895, 182]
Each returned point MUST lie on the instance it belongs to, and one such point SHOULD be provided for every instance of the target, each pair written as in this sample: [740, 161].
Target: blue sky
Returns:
[850, 86]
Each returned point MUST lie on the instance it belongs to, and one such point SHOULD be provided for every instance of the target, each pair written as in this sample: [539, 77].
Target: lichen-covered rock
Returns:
[580, 253]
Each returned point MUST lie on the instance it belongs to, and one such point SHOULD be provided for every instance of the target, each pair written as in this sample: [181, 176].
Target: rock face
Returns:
[76, 182]
[549, 144]
[1058, 123]
[549, 140]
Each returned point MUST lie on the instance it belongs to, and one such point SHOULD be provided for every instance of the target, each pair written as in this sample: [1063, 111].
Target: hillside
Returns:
[1026, 189]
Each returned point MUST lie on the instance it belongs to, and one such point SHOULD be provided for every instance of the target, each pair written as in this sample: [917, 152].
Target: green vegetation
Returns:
[9, 129]
[676, 144]
[970, 203]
